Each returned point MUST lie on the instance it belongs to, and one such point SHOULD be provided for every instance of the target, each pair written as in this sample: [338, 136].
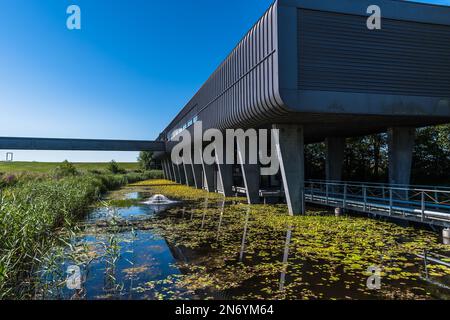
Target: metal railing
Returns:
[418, 203]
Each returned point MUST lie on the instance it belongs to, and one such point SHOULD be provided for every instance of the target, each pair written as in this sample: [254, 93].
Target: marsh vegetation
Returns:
[37, 211]
[207, 247]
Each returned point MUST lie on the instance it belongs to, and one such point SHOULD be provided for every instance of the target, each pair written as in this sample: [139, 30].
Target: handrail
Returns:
[423, 205]
[375, 185]
[383, 184]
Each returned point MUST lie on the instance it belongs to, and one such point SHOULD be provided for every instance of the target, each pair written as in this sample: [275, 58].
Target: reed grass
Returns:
[35, 209]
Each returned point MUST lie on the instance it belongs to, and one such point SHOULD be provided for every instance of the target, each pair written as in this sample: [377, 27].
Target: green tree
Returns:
[146, 160]
[65, 169]
[114, 168]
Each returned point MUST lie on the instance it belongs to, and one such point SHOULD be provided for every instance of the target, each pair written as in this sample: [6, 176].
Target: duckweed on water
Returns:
[245, 247]
[177, 191]
[225, 249]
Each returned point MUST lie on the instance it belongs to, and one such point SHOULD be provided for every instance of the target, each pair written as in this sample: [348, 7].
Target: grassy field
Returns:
[46, 167]
[38, 201]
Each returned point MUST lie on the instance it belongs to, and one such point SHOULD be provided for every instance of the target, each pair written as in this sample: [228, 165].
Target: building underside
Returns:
[316, 72]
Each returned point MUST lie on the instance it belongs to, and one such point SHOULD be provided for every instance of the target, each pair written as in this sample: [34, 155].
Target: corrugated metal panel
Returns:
[243, 89]
[338, 53]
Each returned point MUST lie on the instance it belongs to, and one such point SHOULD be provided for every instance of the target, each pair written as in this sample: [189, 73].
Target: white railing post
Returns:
[391, 201]
[365, 197]
[423, 206]
[345, 196]
[328, 193]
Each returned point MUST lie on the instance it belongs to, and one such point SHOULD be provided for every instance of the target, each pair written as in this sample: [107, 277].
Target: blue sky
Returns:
[125, 75]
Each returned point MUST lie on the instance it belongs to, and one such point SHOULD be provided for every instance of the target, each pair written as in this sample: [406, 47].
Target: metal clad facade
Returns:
[315, 63]
[338, 53]
[243, 89]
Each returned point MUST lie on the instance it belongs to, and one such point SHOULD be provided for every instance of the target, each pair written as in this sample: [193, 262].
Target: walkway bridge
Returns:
[423, 204]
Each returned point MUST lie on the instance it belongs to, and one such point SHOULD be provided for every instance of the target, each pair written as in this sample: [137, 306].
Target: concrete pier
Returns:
[208, 179]
[181, 174]
[250, 173]
[291, 154]
[176, 173]
[225, 174]
[190, 182]
[401, 143]
[165, 169]
[335, 158]
[197, 173]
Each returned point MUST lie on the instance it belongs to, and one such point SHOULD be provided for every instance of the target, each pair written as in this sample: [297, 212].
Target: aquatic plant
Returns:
[178, 191]
[247, 245]
[34, 210]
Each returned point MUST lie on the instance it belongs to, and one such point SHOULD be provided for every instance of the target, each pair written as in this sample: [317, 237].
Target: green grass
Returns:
[37, 207]
[46, 167]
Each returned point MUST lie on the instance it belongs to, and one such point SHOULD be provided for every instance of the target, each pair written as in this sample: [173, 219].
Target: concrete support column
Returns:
[176, 173]
[170, 168]
[291, 154]
[208, 174]
[197, 173]
[335, 158]
[182, 174]
[225, 175]
[250, 173]
[164, 167]
[401, 144]
[189, 175]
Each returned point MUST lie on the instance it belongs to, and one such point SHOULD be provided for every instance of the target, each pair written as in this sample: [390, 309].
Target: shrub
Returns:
[65, 169]
[146, 161]
[114, 168]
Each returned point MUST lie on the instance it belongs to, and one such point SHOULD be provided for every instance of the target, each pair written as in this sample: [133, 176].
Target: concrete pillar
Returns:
[182, 174]
[291, 154]
[250, 173]
[189, 175]
[225, 175]
[170, 168]
[197, 173]
[176, 173]
[335, 158]
[208, 174]
[401, 144]
[164, 167]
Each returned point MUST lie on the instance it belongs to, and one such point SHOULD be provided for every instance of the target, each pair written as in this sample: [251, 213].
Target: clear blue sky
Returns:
[125, 75]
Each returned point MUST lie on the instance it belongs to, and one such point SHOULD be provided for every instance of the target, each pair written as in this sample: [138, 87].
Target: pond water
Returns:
[210, 248]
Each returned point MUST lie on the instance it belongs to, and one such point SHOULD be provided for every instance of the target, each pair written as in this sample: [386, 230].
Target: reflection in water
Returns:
[285, 258]
[221, 250]
[430, 259]
[244, 237]
[221, 211]
[204, 213]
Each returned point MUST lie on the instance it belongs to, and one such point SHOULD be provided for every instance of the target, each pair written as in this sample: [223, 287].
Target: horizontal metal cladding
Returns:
[243, 90]
[337, 52]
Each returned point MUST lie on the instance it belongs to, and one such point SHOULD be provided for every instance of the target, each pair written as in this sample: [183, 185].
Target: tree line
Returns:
[366, 158]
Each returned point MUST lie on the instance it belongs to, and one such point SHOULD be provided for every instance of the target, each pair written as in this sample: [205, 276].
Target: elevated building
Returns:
[314, 70]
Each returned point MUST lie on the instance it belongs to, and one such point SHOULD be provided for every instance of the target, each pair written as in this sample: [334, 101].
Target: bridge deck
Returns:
[430, 205]
[8, 143]
[422, 204]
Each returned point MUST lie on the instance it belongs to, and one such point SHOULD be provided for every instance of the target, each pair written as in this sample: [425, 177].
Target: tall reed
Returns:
[34, 210]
